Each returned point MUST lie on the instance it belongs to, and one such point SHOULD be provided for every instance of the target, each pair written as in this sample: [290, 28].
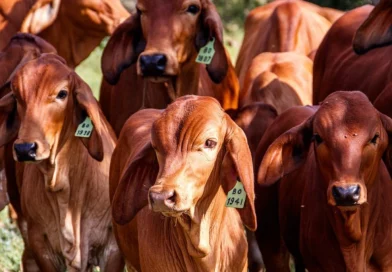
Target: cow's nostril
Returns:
[26, 151]
[171, 198]
[161, 62]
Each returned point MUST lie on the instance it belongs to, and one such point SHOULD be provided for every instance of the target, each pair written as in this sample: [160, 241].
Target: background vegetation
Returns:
[233, 13]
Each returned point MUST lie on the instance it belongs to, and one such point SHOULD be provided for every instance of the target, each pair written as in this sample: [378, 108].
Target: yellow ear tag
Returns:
[85, 128]
[206, 53]
[236, 196]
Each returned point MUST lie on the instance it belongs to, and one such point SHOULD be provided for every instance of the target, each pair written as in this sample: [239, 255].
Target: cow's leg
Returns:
[255, 261]
[113, 260]
[273, 250]
[39, 248]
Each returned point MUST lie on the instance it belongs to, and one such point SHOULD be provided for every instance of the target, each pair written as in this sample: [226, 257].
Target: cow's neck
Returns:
[351, 228]
[209, 235]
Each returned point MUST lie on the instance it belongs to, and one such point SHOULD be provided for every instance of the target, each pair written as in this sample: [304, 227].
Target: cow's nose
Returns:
[162, 201]
[25, 151]
[346, 196]
[153, 65]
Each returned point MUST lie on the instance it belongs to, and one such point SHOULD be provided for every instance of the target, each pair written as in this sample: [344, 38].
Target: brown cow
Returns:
[20, 49]
[282, 80]
[334, 188]
[280, 26]
[64, 193]
[163, 40]
[74, 27]
[181, 163]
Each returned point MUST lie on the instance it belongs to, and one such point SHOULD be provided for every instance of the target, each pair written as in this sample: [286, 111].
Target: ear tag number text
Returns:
[85, 128]
[236, 196]
[206, 53]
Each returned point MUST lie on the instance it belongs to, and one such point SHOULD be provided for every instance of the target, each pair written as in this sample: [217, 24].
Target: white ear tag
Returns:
[85, 128]
[236, 196]
[206, 53]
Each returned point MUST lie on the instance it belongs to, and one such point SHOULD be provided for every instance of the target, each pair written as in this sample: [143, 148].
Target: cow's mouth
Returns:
[159, 79]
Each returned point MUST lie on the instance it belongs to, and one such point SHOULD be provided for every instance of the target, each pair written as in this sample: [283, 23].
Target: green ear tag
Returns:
[206, 53]
[85, 128]
[236, 196]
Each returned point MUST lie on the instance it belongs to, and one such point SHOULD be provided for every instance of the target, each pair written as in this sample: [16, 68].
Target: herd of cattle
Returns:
[178, 158]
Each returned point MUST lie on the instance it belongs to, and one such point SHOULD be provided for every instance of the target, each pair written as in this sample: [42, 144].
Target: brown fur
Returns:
[280, 26]
[164, 27]
[67, 224]
[166, 150]
[82, 23]
[282, 80]
[355, 238]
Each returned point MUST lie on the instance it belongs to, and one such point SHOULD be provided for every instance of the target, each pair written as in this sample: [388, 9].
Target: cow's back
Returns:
[337, 67]
[279, 27]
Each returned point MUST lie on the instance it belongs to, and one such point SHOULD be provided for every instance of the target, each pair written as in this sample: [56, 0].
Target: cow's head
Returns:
[199, 151]
[46, 104]
[82, 24]
[376, 31]
[348, 137]
[163, 37]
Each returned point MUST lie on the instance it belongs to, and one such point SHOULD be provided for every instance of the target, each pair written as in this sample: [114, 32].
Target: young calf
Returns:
[334, 207]
[64, 189]
[182, 162]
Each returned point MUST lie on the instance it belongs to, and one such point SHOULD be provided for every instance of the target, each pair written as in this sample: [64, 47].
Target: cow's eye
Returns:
[374, 139]
[62, 94]
[317, 139]
[194, 9]
[210, 144]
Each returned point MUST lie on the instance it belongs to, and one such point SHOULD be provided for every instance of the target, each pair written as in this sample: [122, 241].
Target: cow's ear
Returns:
[211, 27]
[41, 15]
[131, 194]
[9, 120]
[123, 49]
[387, 124]
[87, 106]
[286, 154]
[237, 165]
[376, 30]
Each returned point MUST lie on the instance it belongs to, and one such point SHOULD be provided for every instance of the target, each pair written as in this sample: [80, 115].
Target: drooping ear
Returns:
[87, 105]
[41, 15]
[9, 121]
[211, 27]
[237, 164]
[132, 191]
[286, 154]
[376, 30]
[123, 49]
[387, 123]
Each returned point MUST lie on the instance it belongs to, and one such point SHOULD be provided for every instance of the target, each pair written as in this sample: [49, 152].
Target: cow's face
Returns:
[349, 141]
[47, 102]
[348, 137]
[164, 38]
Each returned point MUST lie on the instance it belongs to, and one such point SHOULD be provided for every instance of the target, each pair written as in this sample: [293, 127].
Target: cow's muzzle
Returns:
[25, 151]
[346, 196]
[153, 65]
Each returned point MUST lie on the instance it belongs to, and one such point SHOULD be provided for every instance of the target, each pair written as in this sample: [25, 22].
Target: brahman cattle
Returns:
[162, 40]
[281, 26]
[333, 192]
[73, 27]
[64, 190]
[282, 80]
[20, 49]
[169, 178]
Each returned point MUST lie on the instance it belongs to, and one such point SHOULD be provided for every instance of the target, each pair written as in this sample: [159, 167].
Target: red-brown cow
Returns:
[74, 27]
[282, 80]
[65, 220]
[181, 162]
[163, 39]
[333, 186]
[280, 26]
[20, 49]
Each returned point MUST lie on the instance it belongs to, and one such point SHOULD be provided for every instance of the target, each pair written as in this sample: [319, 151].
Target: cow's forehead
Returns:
[345, 110]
